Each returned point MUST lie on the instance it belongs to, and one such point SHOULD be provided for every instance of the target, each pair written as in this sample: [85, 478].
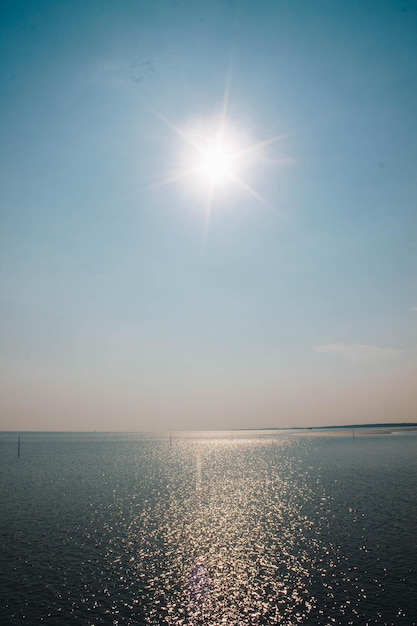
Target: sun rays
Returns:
[216, 157]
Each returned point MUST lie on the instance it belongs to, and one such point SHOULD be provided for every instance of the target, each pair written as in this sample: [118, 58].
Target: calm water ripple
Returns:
[133, 529]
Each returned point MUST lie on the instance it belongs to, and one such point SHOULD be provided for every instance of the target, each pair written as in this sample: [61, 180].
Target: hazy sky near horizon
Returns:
[290, 297]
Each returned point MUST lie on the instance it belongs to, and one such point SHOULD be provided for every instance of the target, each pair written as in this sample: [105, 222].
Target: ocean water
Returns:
[208, 529]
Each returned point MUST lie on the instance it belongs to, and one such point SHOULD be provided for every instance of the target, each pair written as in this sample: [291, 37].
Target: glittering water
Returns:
[208, 530]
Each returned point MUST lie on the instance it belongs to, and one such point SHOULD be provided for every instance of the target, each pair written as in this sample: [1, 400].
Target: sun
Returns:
[218, 157]
[209, 158]
[216, 163]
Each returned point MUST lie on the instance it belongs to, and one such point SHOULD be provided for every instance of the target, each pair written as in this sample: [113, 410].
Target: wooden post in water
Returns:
[18, 447]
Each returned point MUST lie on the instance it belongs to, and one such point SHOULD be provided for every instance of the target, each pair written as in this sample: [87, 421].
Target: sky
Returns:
[142, 290]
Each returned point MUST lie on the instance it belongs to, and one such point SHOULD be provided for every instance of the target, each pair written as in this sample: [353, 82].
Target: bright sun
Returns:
[217, 157]
[216, 163]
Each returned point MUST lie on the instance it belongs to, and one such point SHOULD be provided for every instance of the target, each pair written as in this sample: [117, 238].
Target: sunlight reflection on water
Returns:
[235, 508]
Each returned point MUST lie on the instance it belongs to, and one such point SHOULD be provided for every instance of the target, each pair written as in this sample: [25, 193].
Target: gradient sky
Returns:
[122, 308]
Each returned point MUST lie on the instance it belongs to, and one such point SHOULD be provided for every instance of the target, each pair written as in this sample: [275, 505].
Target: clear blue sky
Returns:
[122, 306]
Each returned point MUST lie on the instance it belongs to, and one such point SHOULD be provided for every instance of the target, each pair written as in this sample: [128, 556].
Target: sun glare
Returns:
[216, 163]
[216, 157]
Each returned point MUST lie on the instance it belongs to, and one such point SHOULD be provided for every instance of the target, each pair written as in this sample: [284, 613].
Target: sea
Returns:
[215, 528]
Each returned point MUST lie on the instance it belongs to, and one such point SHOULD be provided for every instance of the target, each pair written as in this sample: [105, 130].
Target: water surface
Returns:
[243, 529]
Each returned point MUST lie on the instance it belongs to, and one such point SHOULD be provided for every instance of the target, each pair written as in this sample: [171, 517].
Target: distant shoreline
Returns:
[400, 425]
[349, 429]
